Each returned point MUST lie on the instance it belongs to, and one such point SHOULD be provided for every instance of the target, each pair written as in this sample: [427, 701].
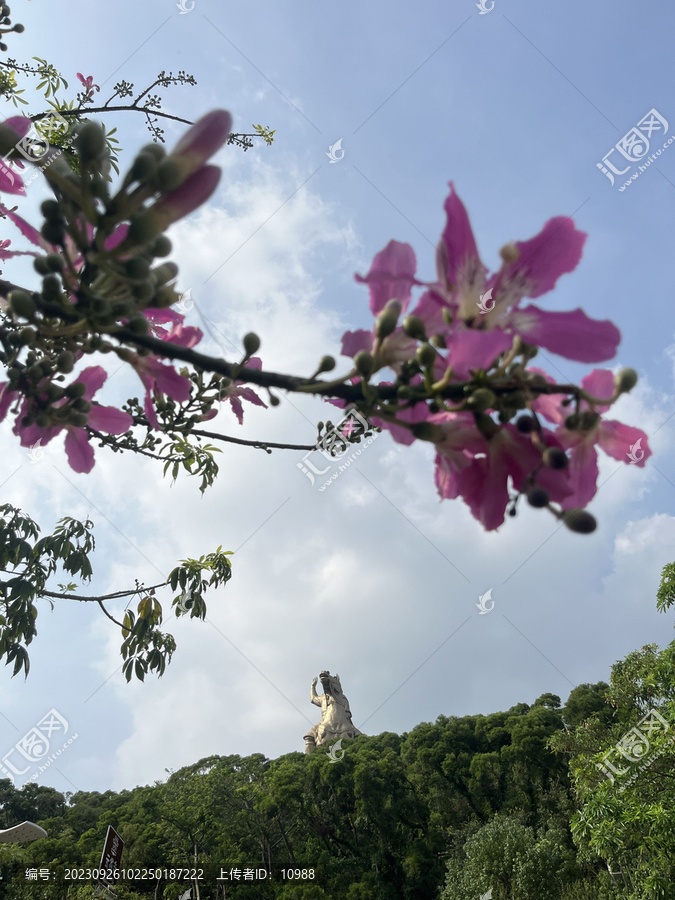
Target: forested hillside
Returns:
[452, 809]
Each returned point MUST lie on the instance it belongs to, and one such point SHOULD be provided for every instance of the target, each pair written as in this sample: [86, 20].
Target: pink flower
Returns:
[201, 141]
[88, 84]
[184, 336]
[391, 276]
[622, 442]
[100, 418]
[158, 380]
[530, 268]
[236, 392]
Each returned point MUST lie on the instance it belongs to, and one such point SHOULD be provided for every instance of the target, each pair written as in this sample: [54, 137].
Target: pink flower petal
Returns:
[582, 473]
[109, 419]
[27, 230]
[79, 451]
[473, 349]
[544, 258]
[621, 442]
[570, 334]
[598, 383]
[457, 260]
[391, 275]
[353, 341]
[93, 378]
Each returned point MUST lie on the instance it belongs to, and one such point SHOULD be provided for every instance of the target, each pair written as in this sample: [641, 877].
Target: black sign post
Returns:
[111, 858]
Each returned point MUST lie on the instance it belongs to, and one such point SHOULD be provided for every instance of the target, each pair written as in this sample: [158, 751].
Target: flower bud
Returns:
[364, 363]
[137, 268]
[81, 405]
[580, 521]
[40, 265]
[53, 232]
[51, 210]
[437, 340]
[572, 422]
[525, 424]
[414, 328]
[326, 364]
[588, 420]
[76, 389]
[142, 228]
[625, 380]
[143, 291]
[251, 343]
[425, 355]
[90, 141]
[387, 320]
[164, 297]
[163, 273]
[555, 458]
[51, 287]
[538, 497]
[155, 150]
[22, 304]
[65, 362]
[427, 431]
[162, 246]
[78, 420]
[482, 399]
[144, 167]
[138, 325]
[169, 175]
[487, 427]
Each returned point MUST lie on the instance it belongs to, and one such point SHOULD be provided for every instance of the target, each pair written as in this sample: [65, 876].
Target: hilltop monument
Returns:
[336, 717]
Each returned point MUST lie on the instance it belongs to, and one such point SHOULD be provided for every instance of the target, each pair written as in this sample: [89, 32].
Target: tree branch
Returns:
[258, 444]
[116, 596]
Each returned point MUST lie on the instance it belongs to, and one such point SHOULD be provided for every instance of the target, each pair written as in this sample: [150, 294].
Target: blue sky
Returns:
[516, 106]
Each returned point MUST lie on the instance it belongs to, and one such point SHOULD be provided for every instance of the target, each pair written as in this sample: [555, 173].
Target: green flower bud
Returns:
[137, 268]
[81, 405]
[164, 272]
[326, 364]
[144, 167]
[76, 389]
[482, 399]
[142, 228]
[425, 355]
[437, 340]
[155, 150]
[388, 319]
[274, 400]
[143, 291]
[414, 328]
[27, 335]
[589, 420]
[169, 175]
[78, 420]
[427, 431]
[138, 325]
[65, 362]
[580, 521]
[364, 363]
[162, 246]
[625, 380]
[90, 141]
[572, 422]
[164, 297]
[22, 304]
[517, 399]
[43, 420]
[251, 343]
[55, 263]
[525, 424]
[555, 458]
[53, 232]
[51, 210]
[40, 266]
[487, 427]
[538, 498]
[19, 28]
[51, 287]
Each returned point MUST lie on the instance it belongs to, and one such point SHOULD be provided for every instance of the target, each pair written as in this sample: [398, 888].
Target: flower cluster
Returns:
[462, 378]
[96, 254]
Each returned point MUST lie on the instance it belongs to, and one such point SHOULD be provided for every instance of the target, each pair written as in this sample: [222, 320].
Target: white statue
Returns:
[336, 718]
